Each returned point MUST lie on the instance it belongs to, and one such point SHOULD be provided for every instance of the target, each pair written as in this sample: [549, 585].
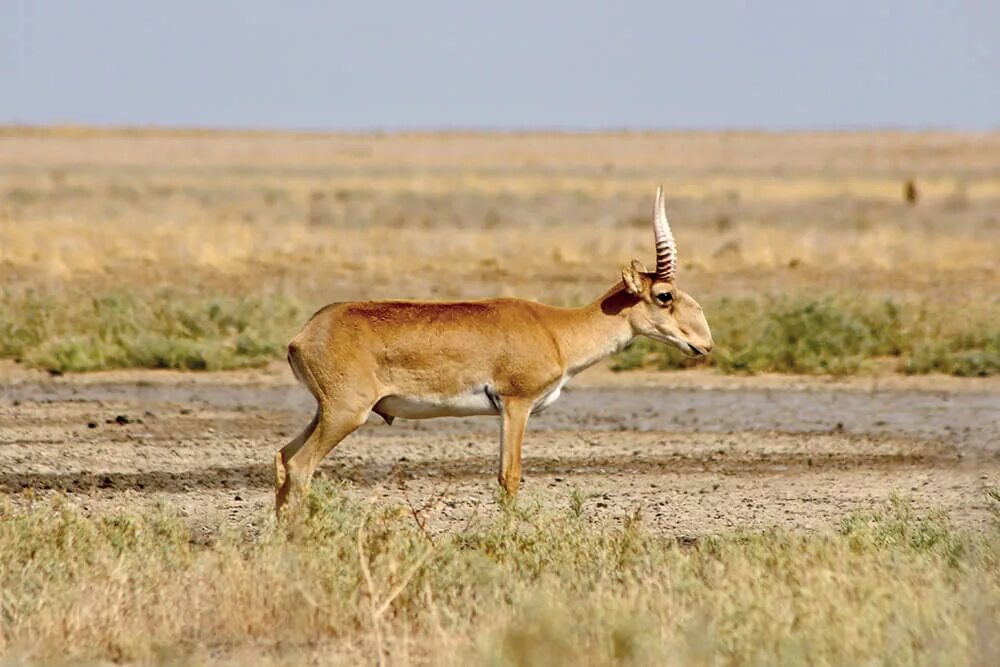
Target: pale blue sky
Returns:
[574, 65]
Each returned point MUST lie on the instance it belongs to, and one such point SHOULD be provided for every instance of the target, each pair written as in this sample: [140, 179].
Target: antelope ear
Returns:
[633, 278]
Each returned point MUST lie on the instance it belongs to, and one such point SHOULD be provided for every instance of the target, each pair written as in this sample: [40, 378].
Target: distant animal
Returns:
[505, 357]
[910, 193]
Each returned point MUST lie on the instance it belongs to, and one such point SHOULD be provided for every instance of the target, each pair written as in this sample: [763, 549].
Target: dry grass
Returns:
[61, 249]
[350, 582]
[297, 221]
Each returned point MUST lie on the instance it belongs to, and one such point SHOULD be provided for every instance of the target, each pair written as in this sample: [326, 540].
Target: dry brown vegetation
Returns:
[550, 215]
[307, 219]
[353, 583]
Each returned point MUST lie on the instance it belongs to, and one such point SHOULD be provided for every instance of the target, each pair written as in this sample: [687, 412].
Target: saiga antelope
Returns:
[506, 357]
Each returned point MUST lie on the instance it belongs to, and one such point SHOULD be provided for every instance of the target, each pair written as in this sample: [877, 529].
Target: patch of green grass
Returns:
[129, 330]
[838, 335]
[350, 582]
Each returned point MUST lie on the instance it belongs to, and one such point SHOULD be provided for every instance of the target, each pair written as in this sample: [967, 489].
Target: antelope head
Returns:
[663, 311]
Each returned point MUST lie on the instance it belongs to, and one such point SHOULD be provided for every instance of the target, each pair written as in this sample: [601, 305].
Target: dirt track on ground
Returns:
[695, 453]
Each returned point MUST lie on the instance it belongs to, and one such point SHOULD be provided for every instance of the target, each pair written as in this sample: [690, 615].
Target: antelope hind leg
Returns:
[297, 461]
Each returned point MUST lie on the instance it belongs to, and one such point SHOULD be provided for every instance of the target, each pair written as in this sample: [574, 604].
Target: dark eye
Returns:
[665, 297]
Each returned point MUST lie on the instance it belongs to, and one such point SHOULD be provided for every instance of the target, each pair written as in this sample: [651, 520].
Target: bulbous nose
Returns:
[699, 350]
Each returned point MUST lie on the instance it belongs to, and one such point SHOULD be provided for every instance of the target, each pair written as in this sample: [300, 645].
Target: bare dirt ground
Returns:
[694, 452]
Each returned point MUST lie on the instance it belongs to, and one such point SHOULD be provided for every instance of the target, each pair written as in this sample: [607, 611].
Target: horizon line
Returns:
[183, 128]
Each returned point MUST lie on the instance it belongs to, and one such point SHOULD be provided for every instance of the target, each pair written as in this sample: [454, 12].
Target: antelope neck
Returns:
[595, 331]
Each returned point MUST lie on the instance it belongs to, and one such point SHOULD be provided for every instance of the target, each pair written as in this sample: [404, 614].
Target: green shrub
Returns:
[830, 334]
[837, 335]
[128, 330]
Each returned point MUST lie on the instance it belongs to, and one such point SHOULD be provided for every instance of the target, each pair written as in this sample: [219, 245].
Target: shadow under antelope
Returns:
[504, 357]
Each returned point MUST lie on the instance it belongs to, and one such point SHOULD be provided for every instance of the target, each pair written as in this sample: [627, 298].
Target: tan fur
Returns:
[456, 358]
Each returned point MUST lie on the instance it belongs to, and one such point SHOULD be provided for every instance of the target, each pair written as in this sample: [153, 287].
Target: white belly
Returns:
[550, 397]
[469, 404]
[472, 403]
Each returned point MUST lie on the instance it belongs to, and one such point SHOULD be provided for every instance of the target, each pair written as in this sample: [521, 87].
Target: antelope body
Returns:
[505, 357]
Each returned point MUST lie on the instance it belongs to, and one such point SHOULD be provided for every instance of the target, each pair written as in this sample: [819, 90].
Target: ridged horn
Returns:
[666, 249]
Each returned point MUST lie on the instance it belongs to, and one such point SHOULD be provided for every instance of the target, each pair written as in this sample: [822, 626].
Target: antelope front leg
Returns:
[514, 422]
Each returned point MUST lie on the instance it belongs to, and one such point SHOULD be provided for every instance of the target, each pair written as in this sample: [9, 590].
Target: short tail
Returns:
[299, 363]
[294, 361]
